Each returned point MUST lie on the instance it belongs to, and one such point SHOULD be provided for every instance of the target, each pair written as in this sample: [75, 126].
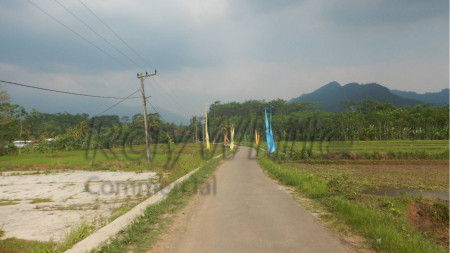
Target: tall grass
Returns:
[76, 234]
[384, 233]
[311, 185]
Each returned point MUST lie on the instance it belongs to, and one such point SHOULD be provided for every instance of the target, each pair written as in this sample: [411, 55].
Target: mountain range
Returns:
[331, 96]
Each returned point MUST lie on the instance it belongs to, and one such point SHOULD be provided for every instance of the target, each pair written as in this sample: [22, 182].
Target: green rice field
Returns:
[119, 156]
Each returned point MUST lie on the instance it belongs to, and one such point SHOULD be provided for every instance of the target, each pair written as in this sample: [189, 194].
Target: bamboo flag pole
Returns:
[232, 137]
[206, 127]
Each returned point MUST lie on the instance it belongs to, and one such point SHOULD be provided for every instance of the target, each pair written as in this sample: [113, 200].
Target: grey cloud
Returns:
[35, 40]
[380, 12]
[12, 4]
[263, 6]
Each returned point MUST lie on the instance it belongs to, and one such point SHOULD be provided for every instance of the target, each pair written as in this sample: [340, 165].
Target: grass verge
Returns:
[11, 245]
[381, 220]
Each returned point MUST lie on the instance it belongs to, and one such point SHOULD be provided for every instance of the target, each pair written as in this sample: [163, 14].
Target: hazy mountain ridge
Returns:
[435, 98]
[59, 104]
[331, 96]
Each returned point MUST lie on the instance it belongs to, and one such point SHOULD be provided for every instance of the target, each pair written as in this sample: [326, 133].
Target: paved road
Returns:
[249, 213]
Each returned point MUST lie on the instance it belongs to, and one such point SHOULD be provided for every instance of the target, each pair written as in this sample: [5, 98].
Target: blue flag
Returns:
[269, 133]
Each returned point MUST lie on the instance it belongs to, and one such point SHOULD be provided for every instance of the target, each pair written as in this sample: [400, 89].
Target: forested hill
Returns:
[435, 98]
[332, 96]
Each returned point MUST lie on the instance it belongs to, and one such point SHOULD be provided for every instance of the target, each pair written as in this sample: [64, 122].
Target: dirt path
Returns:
[248, 212]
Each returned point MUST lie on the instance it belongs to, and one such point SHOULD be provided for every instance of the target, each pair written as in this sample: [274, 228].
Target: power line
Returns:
[116, 104]
[96, 33]
[79, 35]
[115, 34]
[97, 47]
[173, 97]
[154, 109]
[64, 92]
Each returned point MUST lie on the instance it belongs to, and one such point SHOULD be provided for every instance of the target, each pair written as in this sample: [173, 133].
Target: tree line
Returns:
[363, 120]
[78, 131]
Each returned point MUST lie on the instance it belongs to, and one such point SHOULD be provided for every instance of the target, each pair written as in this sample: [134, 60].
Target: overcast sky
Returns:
[208, 50]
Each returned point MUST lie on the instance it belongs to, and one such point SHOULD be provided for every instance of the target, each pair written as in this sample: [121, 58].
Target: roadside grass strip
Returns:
[385, 231]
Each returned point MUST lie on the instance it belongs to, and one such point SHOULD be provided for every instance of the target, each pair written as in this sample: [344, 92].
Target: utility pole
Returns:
[144, 104]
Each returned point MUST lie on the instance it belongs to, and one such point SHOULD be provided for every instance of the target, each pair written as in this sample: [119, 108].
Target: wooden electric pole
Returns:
[144, 104]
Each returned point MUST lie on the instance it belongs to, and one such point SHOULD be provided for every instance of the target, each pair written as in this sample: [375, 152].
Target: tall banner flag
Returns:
[232, 137]
[269, 134]
[257, 137]
[206, 128]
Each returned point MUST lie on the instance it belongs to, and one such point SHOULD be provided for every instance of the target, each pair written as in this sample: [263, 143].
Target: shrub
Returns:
[341, 186]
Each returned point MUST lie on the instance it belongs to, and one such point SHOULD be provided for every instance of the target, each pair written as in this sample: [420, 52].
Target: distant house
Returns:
[21, 144]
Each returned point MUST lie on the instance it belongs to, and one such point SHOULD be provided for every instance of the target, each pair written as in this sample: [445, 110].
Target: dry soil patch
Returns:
[45, 206]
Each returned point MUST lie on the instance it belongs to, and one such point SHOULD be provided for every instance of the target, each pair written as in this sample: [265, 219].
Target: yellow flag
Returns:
[232, 137]
[256, 137]
[206, 128]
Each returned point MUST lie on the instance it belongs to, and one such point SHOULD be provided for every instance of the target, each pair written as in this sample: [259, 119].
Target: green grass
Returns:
[365, 218]
[40, 200]
[76, 234]
[8, 202]
[432, 146]
[10, 245]
[116, 158]
[372, 150]
[395, 233]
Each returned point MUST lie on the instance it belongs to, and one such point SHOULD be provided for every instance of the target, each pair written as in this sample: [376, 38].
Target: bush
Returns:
[11, 149]
[341, 186]
[45, 147]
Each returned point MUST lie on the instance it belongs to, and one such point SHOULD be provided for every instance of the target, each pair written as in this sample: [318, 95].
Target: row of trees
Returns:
[363, 120]
[78, 131]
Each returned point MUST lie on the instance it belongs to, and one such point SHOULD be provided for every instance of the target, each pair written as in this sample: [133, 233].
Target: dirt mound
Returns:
[432, 219]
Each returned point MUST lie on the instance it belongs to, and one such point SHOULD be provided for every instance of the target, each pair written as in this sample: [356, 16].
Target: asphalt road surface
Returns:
[248, 212]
